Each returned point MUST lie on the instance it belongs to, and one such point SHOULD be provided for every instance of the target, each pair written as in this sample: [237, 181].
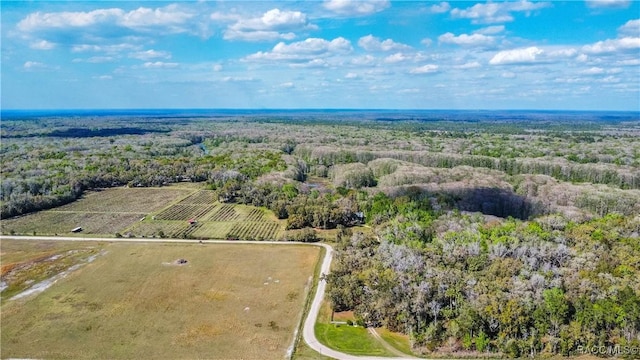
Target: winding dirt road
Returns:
[308, 332]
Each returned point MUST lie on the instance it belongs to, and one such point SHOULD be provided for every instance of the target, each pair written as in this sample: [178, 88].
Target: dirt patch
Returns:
[177, 262]
[19, 277]
[45, 284]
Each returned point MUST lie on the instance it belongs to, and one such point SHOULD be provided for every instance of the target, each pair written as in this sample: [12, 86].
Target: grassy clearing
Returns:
[59, 223]
[118, 200]
[397, 340]
[304, 352]
[228, 301]
[345, 338]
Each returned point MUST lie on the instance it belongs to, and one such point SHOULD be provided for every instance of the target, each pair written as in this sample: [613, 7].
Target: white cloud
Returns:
[356, 7]
[425, 69]
[600, 71]
[582, 58]
[443, 7]
[38, 20]
[95, 23]
[216, 67]
[145, 17]
[100, 59]
[141, 17]
[497, 12]
[258, 35]
[466, 40]
[609, 80]
[396, 58]
[272, 25]
[629, 62]
[302, 51]
[42, 45]
[516, 56]
[111, 49]
[351, 76]
[311, 64]
[409, 91]
[219, 16]
[593, 71]
[611, 46]
[160, 65]
[287, 85]
[490, 30]
[508, 75]
[103, 77]
[608, 3]
[238, 79]
[469, 65]
[35, 65]
[560, 53]
[150, 55]
[314, 46]
[630, 28]
[274, 19]
[426, 42]
[363, 60]
[372, 43]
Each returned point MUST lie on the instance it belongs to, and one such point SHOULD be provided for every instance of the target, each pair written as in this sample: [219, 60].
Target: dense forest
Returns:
[513, 234]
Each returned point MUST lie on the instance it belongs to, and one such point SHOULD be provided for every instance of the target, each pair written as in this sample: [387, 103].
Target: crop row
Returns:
[57, 222]
[169, 229]
[225, 213]
[254, 231]
[202, 197]
[255, 215]
[186, 231]
[184, 212]
[115, 200]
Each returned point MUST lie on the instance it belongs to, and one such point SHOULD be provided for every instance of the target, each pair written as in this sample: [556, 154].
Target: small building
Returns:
[76, 230]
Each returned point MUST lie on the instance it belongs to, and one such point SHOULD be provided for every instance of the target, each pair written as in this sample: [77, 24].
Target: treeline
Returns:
[624, 178]
[517, 288]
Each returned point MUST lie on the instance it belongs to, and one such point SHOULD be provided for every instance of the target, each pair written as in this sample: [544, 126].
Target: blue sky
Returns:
[579, 55]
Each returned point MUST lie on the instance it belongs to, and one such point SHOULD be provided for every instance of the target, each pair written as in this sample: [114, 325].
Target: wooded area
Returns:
[518, 237]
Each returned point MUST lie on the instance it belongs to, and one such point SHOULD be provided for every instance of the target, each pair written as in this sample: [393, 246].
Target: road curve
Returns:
[308, 331]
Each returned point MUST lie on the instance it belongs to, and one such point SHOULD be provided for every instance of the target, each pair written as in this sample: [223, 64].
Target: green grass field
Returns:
[228, 301]
[397, 340]
[151, 213]
[346, 338]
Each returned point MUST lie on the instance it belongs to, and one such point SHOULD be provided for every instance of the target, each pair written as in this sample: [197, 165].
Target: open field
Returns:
[346, 338]
[28, 263]
[228, 301]
[151, 212]
[118, 200]
[57, 222]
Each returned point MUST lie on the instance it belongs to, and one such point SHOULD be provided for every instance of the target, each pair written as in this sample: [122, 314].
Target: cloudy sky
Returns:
[582, 55]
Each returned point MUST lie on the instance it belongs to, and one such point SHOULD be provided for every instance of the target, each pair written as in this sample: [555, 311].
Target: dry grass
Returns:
[61, 223]
[119, 200]
[228, 301]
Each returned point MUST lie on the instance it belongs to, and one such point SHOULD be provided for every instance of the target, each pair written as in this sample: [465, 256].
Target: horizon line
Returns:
[306, 109]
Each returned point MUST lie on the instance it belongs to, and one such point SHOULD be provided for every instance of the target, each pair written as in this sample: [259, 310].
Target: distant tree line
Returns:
[624, 178]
